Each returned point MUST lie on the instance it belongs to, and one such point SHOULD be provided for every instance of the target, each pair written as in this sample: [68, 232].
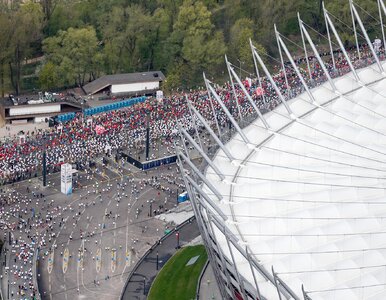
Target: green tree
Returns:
[5, 48]
[49, 77]
[195, 43]
[74, 53]
[27, 30]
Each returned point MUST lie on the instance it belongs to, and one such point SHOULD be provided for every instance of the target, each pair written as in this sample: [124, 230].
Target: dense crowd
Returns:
[77, 140]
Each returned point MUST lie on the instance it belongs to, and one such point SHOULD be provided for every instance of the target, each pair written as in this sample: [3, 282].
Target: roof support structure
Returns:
[215, 137]
[233, 89]
[355, 30]
[331, 24]
[199, 174]
[381, 6]
[358, 19]
[212, 107]
[305, 48]
[203, 154]
[316, 53]
[329, 39]
[249, 98]
[225, 109]
[280, 41]
[268, 74]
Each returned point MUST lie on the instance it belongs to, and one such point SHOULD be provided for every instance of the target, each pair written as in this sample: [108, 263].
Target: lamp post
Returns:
[178, 239]
[157, 262]
[147, 136]
[144, 285]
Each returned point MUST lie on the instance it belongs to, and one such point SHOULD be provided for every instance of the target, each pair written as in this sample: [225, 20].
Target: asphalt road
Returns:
[94, 236]
[141, 279]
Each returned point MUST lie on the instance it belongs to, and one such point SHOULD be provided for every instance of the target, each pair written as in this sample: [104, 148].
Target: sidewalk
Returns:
[143, 274]
[209, 289]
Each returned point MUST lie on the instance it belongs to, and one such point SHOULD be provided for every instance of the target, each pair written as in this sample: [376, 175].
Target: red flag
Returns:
[259, 91]
[99, 129]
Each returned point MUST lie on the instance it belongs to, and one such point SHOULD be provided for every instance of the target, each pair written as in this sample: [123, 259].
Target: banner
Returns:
[66, 179]
[159, 95]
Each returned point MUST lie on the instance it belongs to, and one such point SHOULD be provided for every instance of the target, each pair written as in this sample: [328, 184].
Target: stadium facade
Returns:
[291, 204]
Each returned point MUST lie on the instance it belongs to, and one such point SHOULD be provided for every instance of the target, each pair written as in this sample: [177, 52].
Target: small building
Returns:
[18, 112]
[144, 83]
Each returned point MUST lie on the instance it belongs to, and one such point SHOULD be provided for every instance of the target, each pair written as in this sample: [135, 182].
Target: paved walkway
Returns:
[209, 289]
[140, 280]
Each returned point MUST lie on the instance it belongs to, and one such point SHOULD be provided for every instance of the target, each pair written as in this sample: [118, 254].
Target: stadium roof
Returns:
[308, 197]
[108, 80]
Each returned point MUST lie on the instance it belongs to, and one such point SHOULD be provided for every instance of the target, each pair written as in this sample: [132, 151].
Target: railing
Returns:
[34, 275]
[131, 274]
[200, 280]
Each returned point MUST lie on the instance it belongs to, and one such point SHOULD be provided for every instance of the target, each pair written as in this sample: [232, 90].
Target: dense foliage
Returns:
[80, 40]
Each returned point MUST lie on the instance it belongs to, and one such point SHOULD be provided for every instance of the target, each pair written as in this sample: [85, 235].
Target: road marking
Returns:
[50, 261]
[66, 255]
[98, 260]
[128, 258]
[113, 260]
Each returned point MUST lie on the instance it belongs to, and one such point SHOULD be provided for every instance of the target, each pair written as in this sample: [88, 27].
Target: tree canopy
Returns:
[81, 40]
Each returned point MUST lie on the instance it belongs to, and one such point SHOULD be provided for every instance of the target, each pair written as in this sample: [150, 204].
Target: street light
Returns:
[178, 239]
[144, 285]
[157, 262]
[150, 206]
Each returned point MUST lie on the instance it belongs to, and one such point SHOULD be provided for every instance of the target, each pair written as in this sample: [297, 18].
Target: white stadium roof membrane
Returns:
[309, 200]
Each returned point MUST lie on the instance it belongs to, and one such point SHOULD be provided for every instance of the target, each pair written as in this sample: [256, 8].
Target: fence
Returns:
[147, 165]
[133, 271]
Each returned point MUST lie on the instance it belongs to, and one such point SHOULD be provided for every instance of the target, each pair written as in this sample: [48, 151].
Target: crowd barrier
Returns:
[144, 257]
[147, 165]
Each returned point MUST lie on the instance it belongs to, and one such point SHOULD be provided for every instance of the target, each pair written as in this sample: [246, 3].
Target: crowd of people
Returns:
[77, 140]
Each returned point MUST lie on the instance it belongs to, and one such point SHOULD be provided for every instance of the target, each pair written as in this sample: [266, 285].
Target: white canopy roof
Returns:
[310, 201]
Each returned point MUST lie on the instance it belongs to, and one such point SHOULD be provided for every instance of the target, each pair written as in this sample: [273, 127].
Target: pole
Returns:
[329, 38]
[381, 5]
[354, 28]
[147, 137]
[144, 285]
[157, 261]
[44, 168]
[151, 204]
[178, 239]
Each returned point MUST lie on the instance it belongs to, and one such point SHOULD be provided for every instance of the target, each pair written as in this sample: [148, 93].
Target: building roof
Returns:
[108, 80]
[308, 197]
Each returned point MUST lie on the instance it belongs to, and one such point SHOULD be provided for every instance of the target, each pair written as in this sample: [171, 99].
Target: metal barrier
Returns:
[2, 266]
[200, 279]
[188, 221]
[150, 164]
[34, 275]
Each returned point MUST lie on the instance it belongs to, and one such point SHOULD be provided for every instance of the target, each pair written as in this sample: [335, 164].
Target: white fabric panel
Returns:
[307, 199]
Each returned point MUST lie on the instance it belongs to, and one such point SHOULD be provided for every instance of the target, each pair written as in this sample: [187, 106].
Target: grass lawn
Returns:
[176, 281]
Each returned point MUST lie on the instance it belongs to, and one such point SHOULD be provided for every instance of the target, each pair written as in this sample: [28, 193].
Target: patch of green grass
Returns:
[176, 281]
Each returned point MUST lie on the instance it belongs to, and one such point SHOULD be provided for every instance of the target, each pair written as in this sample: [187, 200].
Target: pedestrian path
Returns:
[144, 273]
